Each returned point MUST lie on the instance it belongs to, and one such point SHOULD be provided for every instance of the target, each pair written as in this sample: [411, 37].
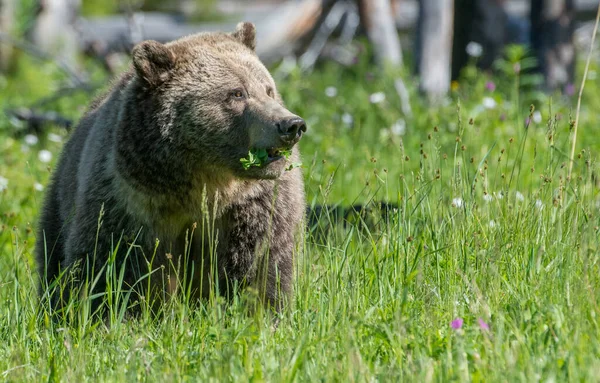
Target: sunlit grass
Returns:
[485, 267]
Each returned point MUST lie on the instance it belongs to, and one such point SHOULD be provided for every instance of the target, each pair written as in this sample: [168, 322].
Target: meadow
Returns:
[485, 267]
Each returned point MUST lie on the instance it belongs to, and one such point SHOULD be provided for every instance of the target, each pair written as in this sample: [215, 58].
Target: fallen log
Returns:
[276, 39]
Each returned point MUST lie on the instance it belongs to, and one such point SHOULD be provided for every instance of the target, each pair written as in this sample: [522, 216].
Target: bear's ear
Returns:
[246, 34]
[152, 61]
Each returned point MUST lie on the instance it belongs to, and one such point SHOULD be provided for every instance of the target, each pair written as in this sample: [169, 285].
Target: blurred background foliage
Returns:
[193, 10]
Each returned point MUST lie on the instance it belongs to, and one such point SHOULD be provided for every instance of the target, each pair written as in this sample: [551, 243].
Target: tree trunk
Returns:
[482, 22]
[7, 9]
[54, 30]
[552, 27]
[434, 46]
[378, 20]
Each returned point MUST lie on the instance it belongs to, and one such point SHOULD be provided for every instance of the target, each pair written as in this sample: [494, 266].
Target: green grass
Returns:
[488, 229]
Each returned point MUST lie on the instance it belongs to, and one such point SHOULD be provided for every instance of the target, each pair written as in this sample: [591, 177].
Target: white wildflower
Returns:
[45, 156]
[474, 49]
[31, 139]
[488, 197]
[3, 183]
[347, 119]
[517, 67]
[520, 197]
[399, 127]
[489, 103]
[384, 134]
[492, 224]
[55, 137]
[499, 195]
[38, 186]
[376, 98]
[457, 202]
[537, 117]
[539, 204]
[331, 91]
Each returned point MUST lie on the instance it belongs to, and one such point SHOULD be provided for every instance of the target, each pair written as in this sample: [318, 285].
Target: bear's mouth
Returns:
[274, 154]
[264, 157]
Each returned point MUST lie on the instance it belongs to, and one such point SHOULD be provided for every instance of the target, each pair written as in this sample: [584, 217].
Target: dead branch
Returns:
[76, 78]
[36, 120]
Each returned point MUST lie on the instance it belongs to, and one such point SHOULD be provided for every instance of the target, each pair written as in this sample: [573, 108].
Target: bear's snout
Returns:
[291, 129]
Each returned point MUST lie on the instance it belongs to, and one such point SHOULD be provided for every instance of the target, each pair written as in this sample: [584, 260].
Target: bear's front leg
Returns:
[255, 250]
[274, 271]
[102, 244]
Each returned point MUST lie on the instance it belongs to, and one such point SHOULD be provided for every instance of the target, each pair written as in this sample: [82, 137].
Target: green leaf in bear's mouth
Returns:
[258, 157]
[286, 153]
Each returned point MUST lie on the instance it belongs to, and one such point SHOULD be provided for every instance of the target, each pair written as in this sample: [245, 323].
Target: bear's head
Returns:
[209, 100]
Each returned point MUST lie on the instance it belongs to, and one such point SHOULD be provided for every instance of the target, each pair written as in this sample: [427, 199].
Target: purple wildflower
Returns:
[570, 89]
[490, 86]
[456, 323]
[484, 326]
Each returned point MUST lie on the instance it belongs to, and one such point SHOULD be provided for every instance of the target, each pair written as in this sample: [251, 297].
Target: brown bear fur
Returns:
[160, 153]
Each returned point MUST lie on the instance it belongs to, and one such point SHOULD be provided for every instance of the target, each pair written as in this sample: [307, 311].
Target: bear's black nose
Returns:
[291, 129]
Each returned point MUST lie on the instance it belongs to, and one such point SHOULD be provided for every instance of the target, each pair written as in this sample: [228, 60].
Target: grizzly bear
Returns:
[152, 178]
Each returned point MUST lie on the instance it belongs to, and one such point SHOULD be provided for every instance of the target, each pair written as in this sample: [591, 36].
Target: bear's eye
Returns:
[238, 93]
